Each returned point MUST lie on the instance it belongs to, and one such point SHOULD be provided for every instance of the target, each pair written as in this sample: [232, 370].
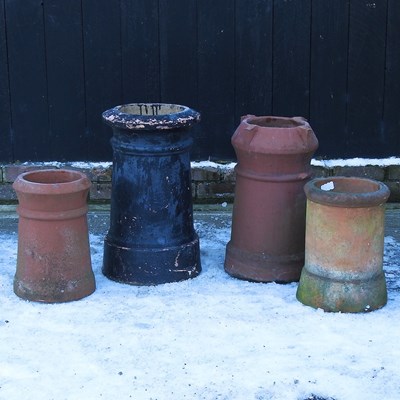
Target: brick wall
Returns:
[211, 182]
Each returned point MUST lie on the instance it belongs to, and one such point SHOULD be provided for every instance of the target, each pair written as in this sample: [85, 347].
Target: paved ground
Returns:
[392, 223]
[99, 217]
[214, 215]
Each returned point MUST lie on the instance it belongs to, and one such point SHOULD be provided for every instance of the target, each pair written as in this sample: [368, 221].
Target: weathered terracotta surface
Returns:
[53, 263]
[344, 245]
[268, 222]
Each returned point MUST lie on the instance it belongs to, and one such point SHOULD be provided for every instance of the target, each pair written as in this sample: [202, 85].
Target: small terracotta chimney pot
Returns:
[53, 262]
[343, 268]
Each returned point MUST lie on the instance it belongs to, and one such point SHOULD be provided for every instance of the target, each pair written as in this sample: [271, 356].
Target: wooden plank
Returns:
[28, 85]
[140, 51]
[103, 82]
[328, 86]
[178, 51]
[5, 109]
[253, 61]
[367, 38]
[65, 79]
[291, 71]
[216, 77]
[391, 116]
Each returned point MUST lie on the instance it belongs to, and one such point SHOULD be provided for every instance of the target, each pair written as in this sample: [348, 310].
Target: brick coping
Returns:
[212, 182]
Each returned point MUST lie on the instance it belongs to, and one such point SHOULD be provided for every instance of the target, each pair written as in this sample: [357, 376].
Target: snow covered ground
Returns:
[213, 337]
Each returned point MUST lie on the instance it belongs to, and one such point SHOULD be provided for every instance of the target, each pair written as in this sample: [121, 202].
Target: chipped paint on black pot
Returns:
[151, 239]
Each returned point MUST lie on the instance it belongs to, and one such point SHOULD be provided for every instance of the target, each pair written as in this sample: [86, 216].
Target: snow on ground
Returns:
[213, 337]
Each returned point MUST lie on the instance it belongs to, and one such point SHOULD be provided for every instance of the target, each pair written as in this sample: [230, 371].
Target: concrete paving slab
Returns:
[215, 215]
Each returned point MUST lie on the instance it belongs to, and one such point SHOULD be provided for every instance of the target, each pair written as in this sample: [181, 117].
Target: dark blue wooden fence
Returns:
[335, 62]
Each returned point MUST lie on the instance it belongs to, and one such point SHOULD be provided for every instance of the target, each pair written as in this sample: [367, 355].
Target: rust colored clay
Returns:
[268, 222]
[53, 262]
[343, 268]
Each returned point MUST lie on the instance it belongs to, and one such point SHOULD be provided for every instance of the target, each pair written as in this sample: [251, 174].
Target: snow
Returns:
[212, 164]
[350, 162]
[213, 337]
[72, 164]
[328, 186]
[357, 162]
[91, 165]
